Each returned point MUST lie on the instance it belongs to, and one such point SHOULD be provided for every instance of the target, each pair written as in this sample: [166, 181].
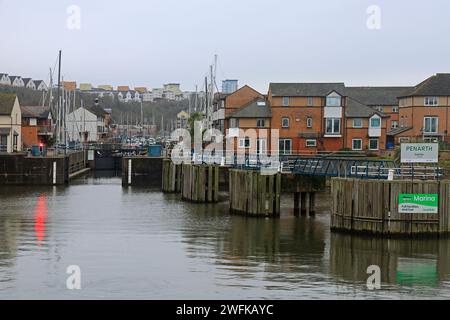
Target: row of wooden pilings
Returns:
[250, 192]
[358, 206]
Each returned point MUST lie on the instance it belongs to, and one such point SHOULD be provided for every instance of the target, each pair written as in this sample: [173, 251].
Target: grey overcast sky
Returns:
[137, 42]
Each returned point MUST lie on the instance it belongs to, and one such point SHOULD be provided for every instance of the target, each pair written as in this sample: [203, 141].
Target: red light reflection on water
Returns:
[40, 217]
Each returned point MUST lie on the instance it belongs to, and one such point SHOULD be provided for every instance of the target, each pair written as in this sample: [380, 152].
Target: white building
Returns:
[4, 79]
[16, 81]
[29, 83]
[157, 93]
[10, 123]
[40, 85]
[147, 97]
[137, 96]
[169, 95]
[82, 125]
[128, 96]
[173, 87]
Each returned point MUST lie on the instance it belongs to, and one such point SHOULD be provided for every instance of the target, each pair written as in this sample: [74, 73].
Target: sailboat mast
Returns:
[59, 121]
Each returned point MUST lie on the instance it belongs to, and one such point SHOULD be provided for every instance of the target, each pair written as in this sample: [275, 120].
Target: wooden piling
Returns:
[303, 203]
[253, 193]
[171, 176]
[296, 204]
[200, 183]
[312, 203]
[371, 206]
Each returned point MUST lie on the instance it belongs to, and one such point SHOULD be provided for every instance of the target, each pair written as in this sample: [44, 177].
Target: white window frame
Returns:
[258, 123]
[288, 122]
[285, 101]
[242, 143]
[333, 126]
[404, 139]
[333, 100]
[431, 140]
[353, 144]
[357, 126]
[309, 122]
[310, 101]
[284, 146]
[234, 123]
[375, 118]
[392, 124]
[395, 109]
[4, 147]
[261, 142]
[425, 121]
[378, 144]
[311, 143]
[431, 101]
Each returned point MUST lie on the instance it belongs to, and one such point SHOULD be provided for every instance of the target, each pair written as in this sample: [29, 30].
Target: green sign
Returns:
[417, 203]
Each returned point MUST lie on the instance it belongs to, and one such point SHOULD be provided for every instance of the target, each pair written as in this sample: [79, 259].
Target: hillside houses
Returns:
[19, 82]
[124, 93]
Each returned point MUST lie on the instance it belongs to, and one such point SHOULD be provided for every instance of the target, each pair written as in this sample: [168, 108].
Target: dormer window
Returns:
[333, 100]
[375, 122]
[431, 101]
[285, 101]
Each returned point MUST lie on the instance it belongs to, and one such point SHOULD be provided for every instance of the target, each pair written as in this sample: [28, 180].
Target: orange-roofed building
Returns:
[123, 88]
[70, 85]
[141, 90]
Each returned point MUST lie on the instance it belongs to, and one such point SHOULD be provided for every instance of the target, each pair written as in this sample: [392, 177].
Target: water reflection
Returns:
[280, 254]
[140, 243]
[40, 217]
[408, 262]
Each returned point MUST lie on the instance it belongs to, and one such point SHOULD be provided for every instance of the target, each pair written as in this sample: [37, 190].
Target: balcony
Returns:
[46, 130]
[218, 115]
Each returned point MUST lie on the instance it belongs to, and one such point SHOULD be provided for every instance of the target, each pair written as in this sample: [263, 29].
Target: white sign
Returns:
[91, 155]
[419, 152]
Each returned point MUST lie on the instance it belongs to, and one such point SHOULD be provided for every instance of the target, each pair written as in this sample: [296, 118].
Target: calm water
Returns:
[138, 243]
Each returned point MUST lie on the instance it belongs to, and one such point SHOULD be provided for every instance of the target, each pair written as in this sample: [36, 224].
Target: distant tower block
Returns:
[229, 86]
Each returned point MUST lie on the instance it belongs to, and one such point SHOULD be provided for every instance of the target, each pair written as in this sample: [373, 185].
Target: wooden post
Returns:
[312, 203]
[303, 203]
[296, 204]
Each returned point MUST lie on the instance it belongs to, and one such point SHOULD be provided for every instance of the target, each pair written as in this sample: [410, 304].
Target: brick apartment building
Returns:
[424, 111]
[225, 105]
[309, 116]
[327, 117]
